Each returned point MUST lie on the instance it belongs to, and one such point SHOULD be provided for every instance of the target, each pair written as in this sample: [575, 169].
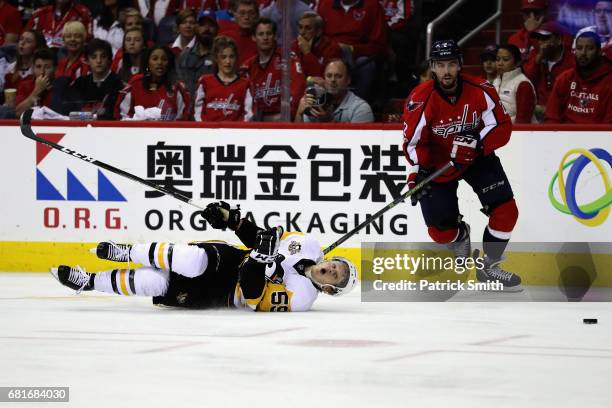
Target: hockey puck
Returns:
[589, 321]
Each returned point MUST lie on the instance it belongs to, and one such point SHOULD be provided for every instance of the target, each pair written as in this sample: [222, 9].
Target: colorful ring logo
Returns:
[596, 212]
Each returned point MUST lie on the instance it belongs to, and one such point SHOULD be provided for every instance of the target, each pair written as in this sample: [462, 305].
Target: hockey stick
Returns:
[388, 207]
[26, 130]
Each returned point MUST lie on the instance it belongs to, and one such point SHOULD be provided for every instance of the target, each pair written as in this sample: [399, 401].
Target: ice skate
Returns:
[492, 272]
[462, 249]
[74, 278]
[113, 252]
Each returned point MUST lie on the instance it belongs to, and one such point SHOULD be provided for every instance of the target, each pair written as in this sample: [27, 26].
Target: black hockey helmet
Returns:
[445, 50]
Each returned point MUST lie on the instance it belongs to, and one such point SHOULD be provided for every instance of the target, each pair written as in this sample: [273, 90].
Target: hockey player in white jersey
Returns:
[279, 272]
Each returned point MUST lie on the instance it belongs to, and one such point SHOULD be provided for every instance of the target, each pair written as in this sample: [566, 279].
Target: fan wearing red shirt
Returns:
[223, 96]
[156, 88]
[10, 23]
[583, 94]
[459, 119]
[74, 65]
[51, 20]
[265, 74]
[246, 15]
[314, 49]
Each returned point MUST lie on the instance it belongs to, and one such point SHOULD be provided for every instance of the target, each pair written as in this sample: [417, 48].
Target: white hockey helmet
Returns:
[348, 285]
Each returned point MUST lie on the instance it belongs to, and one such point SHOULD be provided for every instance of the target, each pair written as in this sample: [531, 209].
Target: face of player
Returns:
[27, 44]
[246, 16]
[74, 41]
[187, 28]
[603, 17]
[447, 73]
[43, 67]
[264, 38]
[99, 63]
[587, 52]
[133, 42]
[226, 61]
[336, 78]
[329, 273]
[158, 64]
[133, 22]
[306, 28]
[505, 61]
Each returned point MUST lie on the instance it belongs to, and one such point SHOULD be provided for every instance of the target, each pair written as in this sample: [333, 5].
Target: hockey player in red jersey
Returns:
[223, 96]
[459, 118]
[264, 72]
[279, 272]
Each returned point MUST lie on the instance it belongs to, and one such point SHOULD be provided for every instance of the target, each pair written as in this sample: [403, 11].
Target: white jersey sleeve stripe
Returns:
[200, 95]
[416, 136]
[488, 117]
[248, 106]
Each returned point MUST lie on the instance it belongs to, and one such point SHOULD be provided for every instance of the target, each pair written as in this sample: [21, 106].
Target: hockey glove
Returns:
[464, 150]
[267, 244]
[221, 215]
[415, 178]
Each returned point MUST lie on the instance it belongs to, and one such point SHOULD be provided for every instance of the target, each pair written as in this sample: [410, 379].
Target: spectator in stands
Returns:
[107, 25]
[583, 94]
[74, 64]
[534, 13]
[339, 104]
[246, 14]
[128, 62]
[97, 91]
[274, 13]
[43, 89]
[403, 44]
[515, 91]
[314, 49]
[185, 25]
[603, 25]
[154, 94]
[223, 96]
[10, 23]
[51, 20]
[21, 69]
[155, 10]
[265, 75]
[359, 27]
[547, 62]
[489, 66]
[197, 60]
[131, 18]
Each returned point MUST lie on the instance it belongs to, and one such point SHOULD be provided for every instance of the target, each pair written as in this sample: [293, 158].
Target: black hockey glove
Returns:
[415, 178]
[267, 244]
[221, 215]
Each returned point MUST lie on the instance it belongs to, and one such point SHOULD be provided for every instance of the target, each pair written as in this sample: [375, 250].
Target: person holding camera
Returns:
[331, 100]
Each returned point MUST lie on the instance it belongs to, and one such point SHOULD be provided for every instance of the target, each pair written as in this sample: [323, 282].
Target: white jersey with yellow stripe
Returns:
[287, 289]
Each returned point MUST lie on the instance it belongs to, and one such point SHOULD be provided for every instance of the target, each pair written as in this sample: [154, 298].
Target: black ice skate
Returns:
[74, 278]
[113, 252]
[462, 249]
[492, 272]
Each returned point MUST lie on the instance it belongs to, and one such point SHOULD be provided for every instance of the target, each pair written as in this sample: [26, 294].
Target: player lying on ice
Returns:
[281, 272]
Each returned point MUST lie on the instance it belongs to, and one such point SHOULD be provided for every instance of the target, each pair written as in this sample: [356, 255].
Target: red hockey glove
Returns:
[464, 150]
[415, 177]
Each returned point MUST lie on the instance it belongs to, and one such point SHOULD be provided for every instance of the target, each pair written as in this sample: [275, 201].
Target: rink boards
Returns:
[320, 181]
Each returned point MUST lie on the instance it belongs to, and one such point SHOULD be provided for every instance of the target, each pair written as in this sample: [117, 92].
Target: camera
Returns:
[320, 95]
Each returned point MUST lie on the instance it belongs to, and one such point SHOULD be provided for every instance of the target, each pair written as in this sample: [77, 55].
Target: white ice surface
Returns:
[123, 352]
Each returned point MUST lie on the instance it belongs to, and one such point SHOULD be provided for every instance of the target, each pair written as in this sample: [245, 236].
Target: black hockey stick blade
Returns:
[26, 130]
[389, 206]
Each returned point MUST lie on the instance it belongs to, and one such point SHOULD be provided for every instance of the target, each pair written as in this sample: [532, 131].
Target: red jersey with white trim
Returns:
[432, 119]
[321, 53]
[397, 12]
[216, 101]
[577, 99]
[266, 83]
[174, 103]
[10, 21]
[51, 25]
[77, 68]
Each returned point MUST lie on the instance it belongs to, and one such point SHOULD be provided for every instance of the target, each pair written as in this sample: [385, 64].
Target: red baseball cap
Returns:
[534, 4]
[549, 28]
